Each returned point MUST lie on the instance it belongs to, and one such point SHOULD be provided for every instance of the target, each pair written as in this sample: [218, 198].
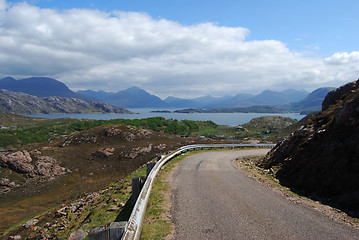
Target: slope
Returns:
[321, 159]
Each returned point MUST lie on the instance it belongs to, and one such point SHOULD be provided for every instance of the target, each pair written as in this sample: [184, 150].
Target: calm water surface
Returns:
[230, 119]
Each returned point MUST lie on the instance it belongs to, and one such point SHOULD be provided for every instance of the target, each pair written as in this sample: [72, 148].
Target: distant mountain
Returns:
[231, 102]
[40, 87]
[134, 97]
[181, 102]
[200, 102]
[99, 95]
[22, 103]
[287, 100]
[266, 97]
[313, 102]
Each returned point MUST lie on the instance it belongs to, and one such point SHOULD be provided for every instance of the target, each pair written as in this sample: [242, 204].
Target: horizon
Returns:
[195, 97]
[212, 48]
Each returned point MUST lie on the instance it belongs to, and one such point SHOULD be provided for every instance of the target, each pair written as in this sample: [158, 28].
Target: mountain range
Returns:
[134, 97]
[22, 103]
[287, 100]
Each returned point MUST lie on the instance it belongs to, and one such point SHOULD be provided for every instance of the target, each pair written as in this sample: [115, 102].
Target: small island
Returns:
[161, 111]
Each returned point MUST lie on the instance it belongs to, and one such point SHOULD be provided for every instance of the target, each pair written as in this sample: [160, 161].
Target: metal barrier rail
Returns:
[134, 225]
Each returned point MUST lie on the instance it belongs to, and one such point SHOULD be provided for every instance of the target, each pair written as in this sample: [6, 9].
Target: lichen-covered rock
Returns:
[48, 167]
[139, 150]
[6, 182]
[21, 162]
[103, 153]
[18, 162]
[30, 223]
[78, 235]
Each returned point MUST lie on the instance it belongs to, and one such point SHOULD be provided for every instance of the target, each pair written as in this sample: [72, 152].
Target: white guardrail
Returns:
[134, 225]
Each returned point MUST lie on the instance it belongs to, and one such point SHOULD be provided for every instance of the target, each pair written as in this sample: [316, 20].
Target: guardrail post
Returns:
[137, 184]
[150, 165]
[111, 231]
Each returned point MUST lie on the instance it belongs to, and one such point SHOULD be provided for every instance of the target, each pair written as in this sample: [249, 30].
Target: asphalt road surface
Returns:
[212, 199]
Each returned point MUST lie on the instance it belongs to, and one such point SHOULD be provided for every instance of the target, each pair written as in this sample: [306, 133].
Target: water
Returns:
[229, 119]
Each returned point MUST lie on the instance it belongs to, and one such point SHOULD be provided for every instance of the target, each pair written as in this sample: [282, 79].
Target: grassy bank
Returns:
[157, 223]
[97, 208]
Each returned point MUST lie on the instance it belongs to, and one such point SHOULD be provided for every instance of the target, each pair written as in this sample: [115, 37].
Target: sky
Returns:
[182, 48]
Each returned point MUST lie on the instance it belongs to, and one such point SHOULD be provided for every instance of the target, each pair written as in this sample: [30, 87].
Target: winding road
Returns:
[212, 199]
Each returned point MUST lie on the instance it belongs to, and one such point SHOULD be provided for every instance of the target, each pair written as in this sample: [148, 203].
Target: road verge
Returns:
[267, 177]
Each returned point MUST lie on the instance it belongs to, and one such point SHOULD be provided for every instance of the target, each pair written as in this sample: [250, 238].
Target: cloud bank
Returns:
[89, 49]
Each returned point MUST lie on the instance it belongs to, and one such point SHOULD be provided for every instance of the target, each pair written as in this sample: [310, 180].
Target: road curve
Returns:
[212, 199]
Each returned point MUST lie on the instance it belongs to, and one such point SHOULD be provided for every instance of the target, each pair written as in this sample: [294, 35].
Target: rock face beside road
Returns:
[321, 159]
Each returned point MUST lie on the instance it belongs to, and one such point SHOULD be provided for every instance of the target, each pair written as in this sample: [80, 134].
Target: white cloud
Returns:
[342, 58]
[89, 49]
[3, 5]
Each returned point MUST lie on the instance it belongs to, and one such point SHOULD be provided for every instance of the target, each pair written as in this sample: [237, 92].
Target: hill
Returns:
[37, 177]
[21, 103]
[134, 97]
[40, 87]
[99, 95]
[320, 159]
[311, 103]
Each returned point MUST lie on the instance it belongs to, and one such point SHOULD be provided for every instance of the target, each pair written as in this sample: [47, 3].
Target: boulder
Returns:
[139, 150]
[30, 223]
[18, 161]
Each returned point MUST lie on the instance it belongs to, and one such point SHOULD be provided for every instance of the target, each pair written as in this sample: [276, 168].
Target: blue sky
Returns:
[184, 48]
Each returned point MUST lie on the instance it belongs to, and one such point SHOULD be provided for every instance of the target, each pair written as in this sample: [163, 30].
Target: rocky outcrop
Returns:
[18, 162]
[321, 158]
[6, 185]
[48, 167]
[336, 94]
[21, 103]
[99, 134]
[139, 150]
[103, 153]
[30, 167]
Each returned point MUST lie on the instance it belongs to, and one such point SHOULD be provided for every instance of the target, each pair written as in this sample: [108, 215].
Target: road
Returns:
[212, 199]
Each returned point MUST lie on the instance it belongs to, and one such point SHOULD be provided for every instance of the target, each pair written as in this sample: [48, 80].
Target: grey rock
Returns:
[30, 223]
[78, 235]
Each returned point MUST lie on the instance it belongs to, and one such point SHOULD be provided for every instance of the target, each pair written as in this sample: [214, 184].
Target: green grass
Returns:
[23, 130]
[156, 224]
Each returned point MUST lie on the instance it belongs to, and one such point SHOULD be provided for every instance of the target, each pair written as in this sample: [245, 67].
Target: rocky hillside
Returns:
[41, 87]
[21, 103]
[321, 158]
[40, 176]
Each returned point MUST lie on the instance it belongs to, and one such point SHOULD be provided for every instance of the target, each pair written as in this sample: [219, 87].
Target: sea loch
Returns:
[229, 119]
